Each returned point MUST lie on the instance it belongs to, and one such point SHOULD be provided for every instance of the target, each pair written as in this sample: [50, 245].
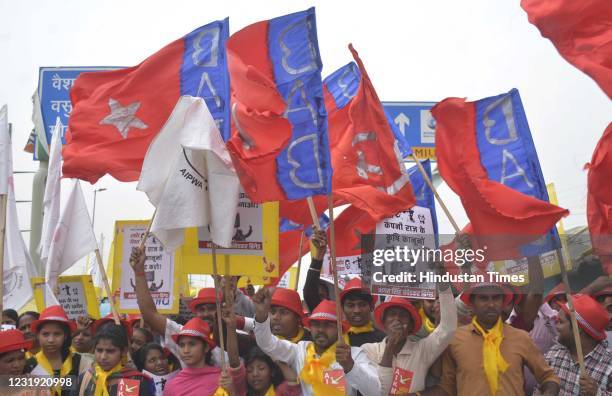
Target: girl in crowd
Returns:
[54, 331]
[199, 376]
[140, 337]
[152, 360]
[105, 376]
[265, 378]
[13, 346]
[82, 340]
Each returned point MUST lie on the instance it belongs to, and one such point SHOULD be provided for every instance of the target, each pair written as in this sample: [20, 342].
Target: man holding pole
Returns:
[562, 357]
[326, 365]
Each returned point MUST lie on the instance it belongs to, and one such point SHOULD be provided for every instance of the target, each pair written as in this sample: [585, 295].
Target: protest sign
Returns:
[76, 294]
[255, 237]
[160, 269]
[411, 231]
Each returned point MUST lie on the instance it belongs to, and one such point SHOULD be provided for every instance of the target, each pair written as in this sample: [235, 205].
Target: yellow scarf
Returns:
[361, 329]
[66, 368]
[492, 358]
[297, 338]
[312, 372]
[270, 391]
[427, 324]
[101, 377]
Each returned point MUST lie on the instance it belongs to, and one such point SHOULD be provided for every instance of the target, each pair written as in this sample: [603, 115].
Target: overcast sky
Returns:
[413, 50]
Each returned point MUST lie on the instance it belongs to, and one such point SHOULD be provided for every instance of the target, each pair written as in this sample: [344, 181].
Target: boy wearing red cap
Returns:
[562, 357]
[325, 365]
[13, 346]
[487, 356]
[357, 303]
[403, 362]
[286, 316]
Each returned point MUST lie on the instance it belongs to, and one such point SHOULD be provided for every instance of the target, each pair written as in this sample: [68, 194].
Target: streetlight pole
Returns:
[93, 214]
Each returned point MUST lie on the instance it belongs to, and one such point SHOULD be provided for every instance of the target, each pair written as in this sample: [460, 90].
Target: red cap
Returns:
[205, 296]
[465, 296]
[110, 319]
[517, 296]
[555, 291]
[132, 319]
[288, 298]
[197, 328]
[356, 284]
[400, 302]
[13, 340]
[54, 313]
[590, 315]
[325, 311]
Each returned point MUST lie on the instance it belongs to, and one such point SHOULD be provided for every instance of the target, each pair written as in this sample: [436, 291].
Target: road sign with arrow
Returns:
[414, 120]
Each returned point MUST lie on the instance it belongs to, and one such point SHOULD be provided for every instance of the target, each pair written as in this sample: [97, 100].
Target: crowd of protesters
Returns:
[489, 339]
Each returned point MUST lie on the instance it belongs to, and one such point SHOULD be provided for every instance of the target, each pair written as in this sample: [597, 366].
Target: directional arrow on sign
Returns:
[402, 122]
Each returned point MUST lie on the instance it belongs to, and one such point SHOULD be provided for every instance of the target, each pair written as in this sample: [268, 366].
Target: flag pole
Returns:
[332, 250]
[313, 213]
[3, 203]
[111, 297]
[299, 264]
[218, 302]
[147, 232]
[433, 189]
[572, 312]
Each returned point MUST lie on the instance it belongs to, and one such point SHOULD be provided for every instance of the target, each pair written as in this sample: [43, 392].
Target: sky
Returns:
[413, 51]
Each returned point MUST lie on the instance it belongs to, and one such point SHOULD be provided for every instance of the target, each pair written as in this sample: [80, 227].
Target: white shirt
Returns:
[362, 378]
[418, 356]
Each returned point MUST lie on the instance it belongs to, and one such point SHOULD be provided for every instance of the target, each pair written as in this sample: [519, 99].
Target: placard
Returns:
[76, 294]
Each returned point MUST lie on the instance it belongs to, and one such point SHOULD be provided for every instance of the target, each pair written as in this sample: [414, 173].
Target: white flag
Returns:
[17, 264]
[51, 200]
[73, 238]
[199, 186]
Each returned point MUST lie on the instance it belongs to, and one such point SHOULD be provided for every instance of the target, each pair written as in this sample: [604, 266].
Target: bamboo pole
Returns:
[299, 264]
[332, 249]
[218, 303]
[3, 203]
[111, 297]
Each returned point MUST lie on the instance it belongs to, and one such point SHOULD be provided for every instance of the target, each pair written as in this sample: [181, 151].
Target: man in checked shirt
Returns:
[592, 319]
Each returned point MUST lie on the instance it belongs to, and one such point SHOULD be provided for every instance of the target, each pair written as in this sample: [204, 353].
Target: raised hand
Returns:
[318, 244]
[344, 357]
[262, 301]
[137, 260]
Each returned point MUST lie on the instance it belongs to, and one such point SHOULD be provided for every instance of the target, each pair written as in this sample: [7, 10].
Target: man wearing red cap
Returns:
[326, 366]
[592, 320]
[403, 362]
[286, 316]
[487, 356]
[357, 304]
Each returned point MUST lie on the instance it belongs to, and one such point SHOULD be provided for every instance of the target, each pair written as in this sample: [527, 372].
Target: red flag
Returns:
[367, 171]
[116, 114]
[599, 201]
[503, 216]
[581, 32]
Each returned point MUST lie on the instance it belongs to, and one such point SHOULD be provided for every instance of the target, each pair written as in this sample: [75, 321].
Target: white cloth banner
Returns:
[51, 200]
[17, 264]
[199, 187]
[73, 238]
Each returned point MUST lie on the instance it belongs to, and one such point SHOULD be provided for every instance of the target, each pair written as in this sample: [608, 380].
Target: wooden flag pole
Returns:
[435, 192]
[332, 250]
[218, 303]
[3, 203]
[313, 213]
[299, 264]
[570, 305]
[147, 232]
[111, 297]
